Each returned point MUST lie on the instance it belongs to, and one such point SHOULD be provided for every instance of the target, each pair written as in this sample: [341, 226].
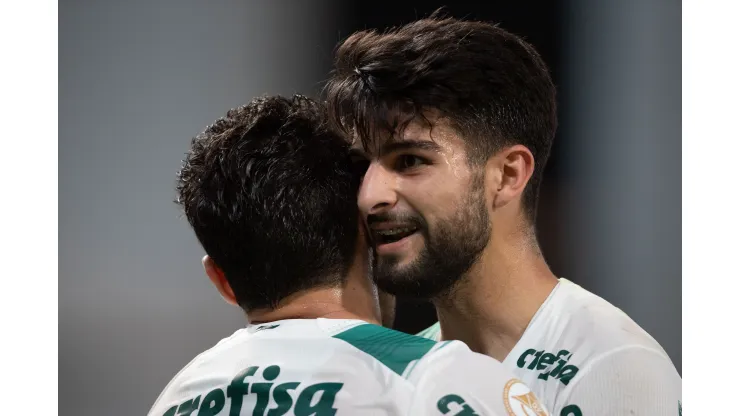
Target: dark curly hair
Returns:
[492, 85]
[271, 195]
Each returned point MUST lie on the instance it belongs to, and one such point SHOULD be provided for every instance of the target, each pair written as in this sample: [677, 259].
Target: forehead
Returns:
[433, 130]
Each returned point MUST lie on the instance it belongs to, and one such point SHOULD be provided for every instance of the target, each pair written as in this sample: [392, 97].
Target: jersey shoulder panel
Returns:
[393, 349]
[607, 327]
[452, 379]
[632, 380]
[186, 381]
[292, 363]
[571, 338]
[430, 333]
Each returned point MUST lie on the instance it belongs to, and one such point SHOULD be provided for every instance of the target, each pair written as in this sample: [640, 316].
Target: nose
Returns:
[377, 191]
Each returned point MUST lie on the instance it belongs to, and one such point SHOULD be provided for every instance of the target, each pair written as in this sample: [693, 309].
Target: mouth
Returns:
[392, 234]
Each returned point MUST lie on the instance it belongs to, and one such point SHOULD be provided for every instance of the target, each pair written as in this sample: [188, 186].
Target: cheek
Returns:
[435, 199]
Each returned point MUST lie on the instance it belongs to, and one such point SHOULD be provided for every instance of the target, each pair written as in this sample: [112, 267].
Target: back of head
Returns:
[270, 193]
[493, 87]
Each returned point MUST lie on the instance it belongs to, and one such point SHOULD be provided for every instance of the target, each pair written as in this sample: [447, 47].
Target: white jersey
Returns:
[583, 356]
[339, 367]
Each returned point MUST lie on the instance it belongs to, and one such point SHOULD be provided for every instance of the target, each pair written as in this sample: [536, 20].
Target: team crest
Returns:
[521, 401]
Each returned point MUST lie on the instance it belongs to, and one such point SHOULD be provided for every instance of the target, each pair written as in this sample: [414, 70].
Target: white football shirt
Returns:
[583, 356]
[321, 367]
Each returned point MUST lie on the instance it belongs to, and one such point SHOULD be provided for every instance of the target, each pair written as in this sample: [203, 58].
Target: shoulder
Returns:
[451, 376]
[221, 348]
[630, 380]
[430, 333]
[579, 331]
[178, 389]
[598, 325]
[588, 349]
[394, 350]
[452, 358]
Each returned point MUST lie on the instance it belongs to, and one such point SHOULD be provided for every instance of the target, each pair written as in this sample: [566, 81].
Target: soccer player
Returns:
[453, 122]
[272, 197]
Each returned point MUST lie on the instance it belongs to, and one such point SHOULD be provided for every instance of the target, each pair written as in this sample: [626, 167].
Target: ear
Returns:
[509, 172]
[218, 278]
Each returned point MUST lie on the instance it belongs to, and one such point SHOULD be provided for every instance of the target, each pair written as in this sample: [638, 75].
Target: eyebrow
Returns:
[396, 146]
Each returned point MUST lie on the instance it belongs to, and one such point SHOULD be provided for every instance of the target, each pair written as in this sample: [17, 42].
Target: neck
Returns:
[356, 298]
[495, 301]
[332, 303]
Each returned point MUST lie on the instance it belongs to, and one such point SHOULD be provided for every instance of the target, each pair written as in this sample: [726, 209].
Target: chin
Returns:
[397, 264]
[400, 279]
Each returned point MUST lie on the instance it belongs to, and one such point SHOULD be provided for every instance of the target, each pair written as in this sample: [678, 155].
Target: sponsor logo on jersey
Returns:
[312, 400]
[519, 400]
[571, 410]
[549, 365]
[454, 405]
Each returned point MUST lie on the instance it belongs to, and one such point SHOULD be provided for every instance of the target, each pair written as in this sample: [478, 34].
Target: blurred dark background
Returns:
[138, 79]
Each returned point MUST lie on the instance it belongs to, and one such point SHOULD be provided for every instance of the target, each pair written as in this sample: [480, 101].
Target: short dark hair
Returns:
[491, 84]
[271, 195]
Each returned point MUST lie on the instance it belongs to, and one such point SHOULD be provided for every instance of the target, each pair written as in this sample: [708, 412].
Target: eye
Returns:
[405, 162]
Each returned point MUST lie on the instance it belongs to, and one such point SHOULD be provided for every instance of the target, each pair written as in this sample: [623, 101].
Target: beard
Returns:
[450, 250]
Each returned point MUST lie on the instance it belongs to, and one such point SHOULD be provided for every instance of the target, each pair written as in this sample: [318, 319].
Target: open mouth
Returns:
[392, 235]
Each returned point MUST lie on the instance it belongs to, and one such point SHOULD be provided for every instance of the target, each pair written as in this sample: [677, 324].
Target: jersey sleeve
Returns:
[453, 380]
[633, 381]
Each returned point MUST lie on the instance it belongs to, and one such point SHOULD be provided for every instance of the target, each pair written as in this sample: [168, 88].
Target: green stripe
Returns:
[430, 333]
[393, 349]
